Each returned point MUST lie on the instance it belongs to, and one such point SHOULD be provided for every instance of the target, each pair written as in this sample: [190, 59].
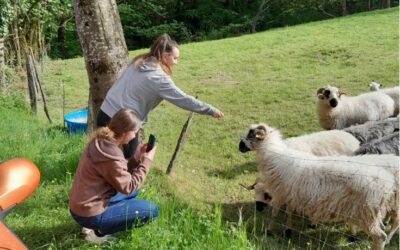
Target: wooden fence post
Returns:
[31, 81]
[180, 142]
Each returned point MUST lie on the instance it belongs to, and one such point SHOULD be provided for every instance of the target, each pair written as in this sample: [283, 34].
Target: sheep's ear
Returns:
[341, 93]
[321, 96]
[260, 133]
[319, 91]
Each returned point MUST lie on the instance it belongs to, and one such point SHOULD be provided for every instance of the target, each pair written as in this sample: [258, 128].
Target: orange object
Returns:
[18, 180]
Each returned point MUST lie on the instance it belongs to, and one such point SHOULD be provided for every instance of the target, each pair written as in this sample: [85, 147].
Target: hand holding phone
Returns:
[151, 142]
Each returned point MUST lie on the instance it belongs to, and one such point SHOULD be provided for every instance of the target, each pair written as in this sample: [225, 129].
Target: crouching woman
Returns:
[103, 194]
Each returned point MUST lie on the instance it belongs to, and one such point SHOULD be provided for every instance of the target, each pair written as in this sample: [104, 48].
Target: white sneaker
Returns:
[86, 230]
[93, 238]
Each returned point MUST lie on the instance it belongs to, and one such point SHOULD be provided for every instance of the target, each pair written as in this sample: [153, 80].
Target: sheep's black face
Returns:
[329, 95]
[333, 102]
[242, 147]
[253, 138]
[245, 144]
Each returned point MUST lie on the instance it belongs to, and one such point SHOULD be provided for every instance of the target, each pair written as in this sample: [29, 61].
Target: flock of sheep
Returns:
[348, 173]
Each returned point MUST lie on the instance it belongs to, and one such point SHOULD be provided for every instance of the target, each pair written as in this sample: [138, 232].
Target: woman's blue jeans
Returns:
[123, 212]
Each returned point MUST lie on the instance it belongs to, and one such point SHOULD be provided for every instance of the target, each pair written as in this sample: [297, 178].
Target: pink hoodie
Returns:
[103, 171]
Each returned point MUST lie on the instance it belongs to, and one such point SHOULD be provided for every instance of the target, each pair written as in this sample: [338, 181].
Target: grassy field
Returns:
[268, 77]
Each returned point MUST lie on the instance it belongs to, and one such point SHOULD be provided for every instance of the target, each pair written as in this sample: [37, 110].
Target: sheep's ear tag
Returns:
[260, 134]
[319, 93]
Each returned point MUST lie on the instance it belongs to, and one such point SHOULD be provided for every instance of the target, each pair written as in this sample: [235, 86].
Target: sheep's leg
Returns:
[288, 231]
[378, 236]
[275, 212]
[352, 237]
[394, 221]
[261, 202]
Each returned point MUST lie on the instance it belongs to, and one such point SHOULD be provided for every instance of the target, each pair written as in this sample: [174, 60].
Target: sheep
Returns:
[392, 92]
[323, 143]
[357, 190]
[337, 112]
[373, 130]
[331, 142]
[374, 136]
[386, 145]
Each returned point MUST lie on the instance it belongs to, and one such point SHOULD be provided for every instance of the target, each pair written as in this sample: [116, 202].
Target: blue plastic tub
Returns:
[77, 121]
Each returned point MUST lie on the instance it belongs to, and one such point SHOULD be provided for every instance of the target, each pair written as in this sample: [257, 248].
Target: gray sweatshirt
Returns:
[143, 89]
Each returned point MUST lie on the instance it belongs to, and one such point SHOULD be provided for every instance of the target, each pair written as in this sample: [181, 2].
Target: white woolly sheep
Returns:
[392, 92]
[323, 143]
[357, 190]
[337, 112]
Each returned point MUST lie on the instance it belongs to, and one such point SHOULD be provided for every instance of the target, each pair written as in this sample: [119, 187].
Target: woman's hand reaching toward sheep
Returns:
[218, 114]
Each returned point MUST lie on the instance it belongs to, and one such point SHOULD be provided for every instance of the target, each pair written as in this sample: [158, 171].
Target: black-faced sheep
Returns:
[392, 92]
[359, 190]
[336, 111]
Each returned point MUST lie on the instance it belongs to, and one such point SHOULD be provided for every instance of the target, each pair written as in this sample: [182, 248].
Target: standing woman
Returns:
[145, 83]
[103, 194]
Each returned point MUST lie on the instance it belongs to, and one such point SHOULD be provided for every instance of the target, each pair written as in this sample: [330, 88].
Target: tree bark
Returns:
[343, 5]
[385, 4]
[102, 40]
[1, 61]
[31, 81]
[15, 35]
[262, 8]
[61, 37]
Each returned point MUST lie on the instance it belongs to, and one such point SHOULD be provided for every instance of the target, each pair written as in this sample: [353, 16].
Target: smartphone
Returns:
[151, 142]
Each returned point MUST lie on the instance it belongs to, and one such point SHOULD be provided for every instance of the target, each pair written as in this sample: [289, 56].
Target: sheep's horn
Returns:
[251, 187]
[319, 91]
[341, 93]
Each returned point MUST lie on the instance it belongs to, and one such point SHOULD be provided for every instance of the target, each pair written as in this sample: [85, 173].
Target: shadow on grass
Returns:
[303, 234]
[63, 236]
[56, 129]
[234, 171]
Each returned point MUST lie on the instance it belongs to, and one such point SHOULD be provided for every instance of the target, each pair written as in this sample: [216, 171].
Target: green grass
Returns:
[268, 77]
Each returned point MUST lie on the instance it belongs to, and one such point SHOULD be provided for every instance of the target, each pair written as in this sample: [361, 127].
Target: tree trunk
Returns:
[385, 4]
[1, 61]
[14, 31]
[31, 81]
[102, 40]
[344, 7]
[61, 36]
[262, 8]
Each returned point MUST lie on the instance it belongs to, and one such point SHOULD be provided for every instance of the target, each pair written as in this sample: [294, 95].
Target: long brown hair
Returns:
[123, 121]
[163, 44]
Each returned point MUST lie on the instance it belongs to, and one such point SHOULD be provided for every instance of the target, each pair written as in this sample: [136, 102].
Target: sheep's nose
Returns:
[242, 147]
[333, 103]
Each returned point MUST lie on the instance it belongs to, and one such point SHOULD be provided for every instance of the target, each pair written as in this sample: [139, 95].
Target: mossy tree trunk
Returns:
[2, 64]
[103, 44]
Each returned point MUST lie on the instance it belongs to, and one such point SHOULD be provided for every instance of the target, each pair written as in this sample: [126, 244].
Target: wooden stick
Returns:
[181, 140]
[46, 111]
